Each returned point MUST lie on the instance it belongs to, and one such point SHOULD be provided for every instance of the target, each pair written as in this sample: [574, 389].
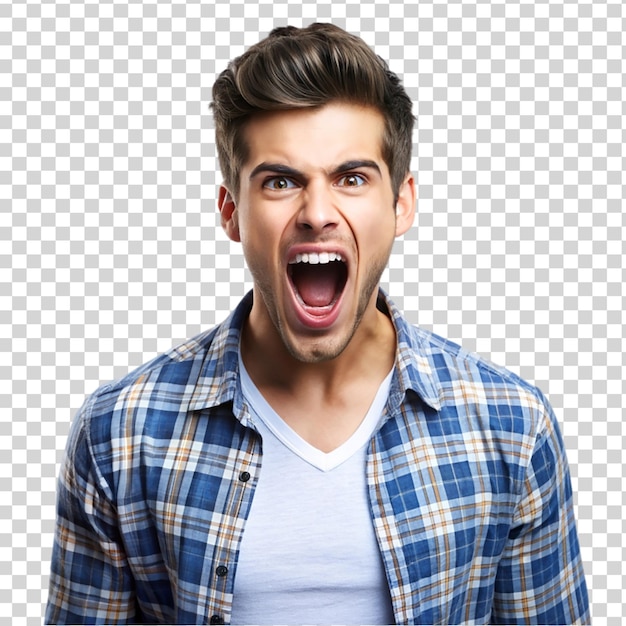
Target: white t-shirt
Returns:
[309, 554]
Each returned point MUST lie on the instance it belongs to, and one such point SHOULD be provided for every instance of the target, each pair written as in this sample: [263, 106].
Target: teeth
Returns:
[314, 258]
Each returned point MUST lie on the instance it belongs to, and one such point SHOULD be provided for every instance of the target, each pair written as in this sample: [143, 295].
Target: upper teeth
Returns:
[314, 258]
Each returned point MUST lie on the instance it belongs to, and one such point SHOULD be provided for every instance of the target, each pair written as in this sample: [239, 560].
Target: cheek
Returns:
[250, 228]
[376, 228]
[260, 243]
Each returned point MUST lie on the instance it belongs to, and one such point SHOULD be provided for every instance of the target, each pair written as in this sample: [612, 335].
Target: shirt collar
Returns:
[413, 365]
[219, 381]
[219, 375]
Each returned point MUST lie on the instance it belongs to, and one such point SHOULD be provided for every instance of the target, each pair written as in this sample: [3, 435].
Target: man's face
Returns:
[316, 217]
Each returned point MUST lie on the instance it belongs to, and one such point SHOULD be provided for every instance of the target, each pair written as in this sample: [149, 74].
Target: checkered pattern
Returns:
[469, 490]
[113, 251]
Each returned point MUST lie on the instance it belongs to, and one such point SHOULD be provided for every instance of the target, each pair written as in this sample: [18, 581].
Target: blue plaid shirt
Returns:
[469, 491]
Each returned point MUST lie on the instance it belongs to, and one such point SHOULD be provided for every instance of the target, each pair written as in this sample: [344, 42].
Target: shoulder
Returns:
[452, 361]
[475, 412]
[125, 422]
[479, 393]
[158, 388]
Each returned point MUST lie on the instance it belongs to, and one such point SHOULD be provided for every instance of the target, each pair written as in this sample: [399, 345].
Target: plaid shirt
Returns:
[469, 490]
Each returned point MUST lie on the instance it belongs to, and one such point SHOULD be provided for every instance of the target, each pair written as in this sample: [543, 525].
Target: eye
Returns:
[278, 183]
[351, 180]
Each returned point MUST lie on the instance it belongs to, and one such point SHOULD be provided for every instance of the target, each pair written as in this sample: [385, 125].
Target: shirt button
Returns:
[216, 619]
[221, 570]
[244, 477]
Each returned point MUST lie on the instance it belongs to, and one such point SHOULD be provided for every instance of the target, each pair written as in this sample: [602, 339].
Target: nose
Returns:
[317, 210]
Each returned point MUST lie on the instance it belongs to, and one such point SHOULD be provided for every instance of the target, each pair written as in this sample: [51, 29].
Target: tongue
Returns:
[316, 284]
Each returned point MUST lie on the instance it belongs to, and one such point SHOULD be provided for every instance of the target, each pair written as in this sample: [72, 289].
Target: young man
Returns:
[316, 459]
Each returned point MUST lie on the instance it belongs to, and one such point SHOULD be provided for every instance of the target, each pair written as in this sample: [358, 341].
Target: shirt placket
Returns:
[229, 528]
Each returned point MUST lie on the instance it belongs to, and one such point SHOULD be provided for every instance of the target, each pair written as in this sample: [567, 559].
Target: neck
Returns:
[323, 402]
[368, 356]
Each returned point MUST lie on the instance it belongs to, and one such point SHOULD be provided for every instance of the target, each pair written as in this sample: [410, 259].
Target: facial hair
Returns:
[323, 349]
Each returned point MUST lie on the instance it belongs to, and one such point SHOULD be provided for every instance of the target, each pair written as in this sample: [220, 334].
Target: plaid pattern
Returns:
[469, 488]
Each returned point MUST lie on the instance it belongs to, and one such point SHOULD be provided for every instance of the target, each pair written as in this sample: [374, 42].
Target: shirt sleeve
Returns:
[540, 578]
[90, 581]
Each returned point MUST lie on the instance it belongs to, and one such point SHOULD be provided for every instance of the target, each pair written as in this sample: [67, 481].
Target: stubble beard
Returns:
[319, 351]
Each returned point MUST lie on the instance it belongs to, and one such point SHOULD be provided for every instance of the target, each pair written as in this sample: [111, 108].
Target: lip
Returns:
[315, 318]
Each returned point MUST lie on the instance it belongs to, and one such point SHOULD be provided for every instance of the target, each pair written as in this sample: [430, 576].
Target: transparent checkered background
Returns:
[111, 251]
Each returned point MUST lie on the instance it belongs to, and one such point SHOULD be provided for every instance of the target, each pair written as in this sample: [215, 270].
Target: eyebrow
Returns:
[291, 172]
[275, 168]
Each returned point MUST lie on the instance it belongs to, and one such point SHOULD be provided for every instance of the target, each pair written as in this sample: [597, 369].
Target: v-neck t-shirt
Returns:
[309, 552]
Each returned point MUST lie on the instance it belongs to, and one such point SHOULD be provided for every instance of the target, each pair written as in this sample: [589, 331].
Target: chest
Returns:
[309, 543]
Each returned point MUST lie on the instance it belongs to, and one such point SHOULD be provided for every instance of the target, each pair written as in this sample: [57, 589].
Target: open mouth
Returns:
[318, 279]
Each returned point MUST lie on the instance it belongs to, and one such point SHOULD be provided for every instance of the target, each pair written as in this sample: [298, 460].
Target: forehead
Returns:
[315, 137]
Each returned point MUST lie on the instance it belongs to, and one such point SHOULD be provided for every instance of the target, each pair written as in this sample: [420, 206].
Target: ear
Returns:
[405, 206]
[228, 213]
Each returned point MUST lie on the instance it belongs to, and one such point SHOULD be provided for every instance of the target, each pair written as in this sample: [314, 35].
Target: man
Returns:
[316, 459]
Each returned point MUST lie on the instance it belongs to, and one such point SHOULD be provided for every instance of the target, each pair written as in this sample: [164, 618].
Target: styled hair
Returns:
[296, 68]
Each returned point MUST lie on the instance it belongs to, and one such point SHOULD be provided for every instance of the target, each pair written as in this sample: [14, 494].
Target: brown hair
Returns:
[309, 67]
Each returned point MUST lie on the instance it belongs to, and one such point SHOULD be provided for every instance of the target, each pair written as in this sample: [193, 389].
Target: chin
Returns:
[315, 350]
